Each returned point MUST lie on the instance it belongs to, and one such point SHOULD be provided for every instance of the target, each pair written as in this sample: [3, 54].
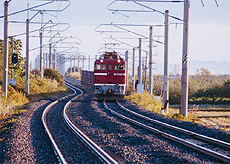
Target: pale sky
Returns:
[209, 30]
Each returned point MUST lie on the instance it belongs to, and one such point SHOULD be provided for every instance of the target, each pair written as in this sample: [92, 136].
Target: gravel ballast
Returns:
[129, 142]
[26, 142]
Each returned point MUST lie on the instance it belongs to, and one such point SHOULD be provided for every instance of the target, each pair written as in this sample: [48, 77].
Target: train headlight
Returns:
[118, 60]
[101, 60]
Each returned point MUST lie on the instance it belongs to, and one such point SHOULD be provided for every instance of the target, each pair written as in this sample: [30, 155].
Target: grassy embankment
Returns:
[150, 103]
[49, 86]
[75, 75]
[147, 101]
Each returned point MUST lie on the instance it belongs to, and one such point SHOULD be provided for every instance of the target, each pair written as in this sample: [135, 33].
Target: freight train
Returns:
[109, 75]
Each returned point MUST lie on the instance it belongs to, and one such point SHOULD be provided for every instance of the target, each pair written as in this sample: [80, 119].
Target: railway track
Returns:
[207, 145]
[123, 141]
[62, 133]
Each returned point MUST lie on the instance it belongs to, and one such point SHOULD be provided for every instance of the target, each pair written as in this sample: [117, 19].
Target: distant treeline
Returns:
[202, 88]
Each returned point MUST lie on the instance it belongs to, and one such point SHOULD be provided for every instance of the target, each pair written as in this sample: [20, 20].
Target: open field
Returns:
[210, 118]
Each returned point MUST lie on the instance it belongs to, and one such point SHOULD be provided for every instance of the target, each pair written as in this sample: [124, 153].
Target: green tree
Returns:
[175, 89]
[205, 72]
[226, 89]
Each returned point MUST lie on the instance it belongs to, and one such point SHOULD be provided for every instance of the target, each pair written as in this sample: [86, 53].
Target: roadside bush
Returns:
[145, 100]
[75, 75]
[130, 91]
[54, 74]
[15, 99]
[190, 117]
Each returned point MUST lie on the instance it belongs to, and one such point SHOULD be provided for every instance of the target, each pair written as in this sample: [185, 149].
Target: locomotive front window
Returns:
[100, 66]
[97, 67]
[110, 67]
[119, 67]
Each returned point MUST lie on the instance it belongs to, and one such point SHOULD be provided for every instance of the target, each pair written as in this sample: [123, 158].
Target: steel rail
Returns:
[193, 134]
[171, 137]
[44, 114]
[93, 146]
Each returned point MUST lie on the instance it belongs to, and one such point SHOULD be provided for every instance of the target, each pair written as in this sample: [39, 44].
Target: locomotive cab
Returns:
[109, 75]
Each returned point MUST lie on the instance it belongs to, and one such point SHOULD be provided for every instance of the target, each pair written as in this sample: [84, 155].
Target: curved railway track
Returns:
[65, 143]
[221, 150]
[123, 141]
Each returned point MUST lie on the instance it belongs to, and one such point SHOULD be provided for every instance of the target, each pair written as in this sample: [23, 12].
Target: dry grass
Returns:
[145, 100]
[223, 122]
[151, 104]
[39, 87]
[75, 75]
[15, 100]
[205, 113]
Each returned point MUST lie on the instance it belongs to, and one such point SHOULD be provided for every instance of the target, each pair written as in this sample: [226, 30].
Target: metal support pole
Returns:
[59, 63]
[27, 88]
[70, 64]
[151, 60]
[139, 68]
[133, 72]
[184, 77]
[35, 63]
[78, 64]
[41, 56]
[89, 63]
[46, 60]
[74, 67]
[5, 49]
[55, 59]
[50, 56]
[62, 63]
[127, 68]
[146, 59]
[166, 62]
[83, 58]
[12, 51]
[143, 70]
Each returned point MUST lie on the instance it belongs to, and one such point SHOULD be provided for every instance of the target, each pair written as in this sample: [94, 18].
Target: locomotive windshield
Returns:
[100, 66]
[119, 67]
[110, 67]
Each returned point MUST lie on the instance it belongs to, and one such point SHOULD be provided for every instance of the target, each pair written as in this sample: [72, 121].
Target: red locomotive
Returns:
[110, 75]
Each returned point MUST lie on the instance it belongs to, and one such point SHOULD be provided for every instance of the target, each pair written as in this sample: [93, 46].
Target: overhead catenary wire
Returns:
[145, 6]
[34, 8]
[125, 30]
[207, 18]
